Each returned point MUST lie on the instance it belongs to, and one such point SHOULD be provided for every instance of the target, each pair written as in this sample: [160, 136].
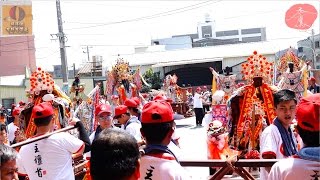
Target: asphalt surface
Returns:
[194, 147]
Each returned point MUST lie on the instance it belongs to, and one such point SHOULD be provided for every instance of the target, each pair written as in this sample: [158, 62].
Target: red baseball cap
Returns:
[312, 79]
[42, 110]
[120, 110]
[16, 111]
[137, 100]
[157, 112]
[103, 108]
[130, 103]
[308, 113]
[160, 97]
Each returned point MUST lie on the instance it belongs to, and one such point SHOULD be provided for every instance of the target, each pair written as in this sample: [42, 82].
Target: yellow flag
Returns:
[214, 85]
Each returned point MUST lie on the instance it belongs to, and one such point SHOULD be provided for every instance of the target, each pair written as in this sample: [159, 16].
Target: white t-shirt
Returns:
[197, 102]
[271, 143]
[295, 168]
[162, 166]
[134, 128]
[11, 130]
[49, 158]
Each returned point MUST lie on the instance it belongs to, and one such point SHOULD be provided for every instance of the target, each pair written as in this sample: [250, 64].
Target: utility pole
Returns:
[61, 36]
[87, 52]
[88, 55]
[74, 70]
[313, 50]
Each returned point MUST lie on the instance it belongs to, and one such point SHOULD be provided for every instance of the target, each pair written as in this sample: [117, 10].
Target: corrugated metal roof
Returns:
[210, 52]
[86, 68]
[191, 61]
[12, 80]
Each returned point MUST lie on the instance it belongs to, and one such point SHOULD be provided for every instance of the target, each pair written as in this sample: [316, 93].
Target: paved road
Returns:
[194, 147]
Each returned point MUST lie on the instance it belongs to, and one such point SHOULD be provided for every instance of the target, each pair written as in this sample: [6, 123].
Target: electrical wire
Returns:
[55, 52]
[167, 13]
[119, 45]
[122, 6]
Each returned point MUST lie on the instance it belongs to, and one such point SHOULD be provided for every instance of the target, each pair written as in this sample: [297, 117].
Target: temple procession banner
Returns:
[16, 18]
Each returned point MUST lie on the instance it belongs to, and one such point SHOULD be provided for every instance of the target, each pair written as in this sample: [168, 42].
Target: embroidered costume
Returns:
[121, 82]
[226, 83]
[251, 107]
[293, 77]
[42, 84]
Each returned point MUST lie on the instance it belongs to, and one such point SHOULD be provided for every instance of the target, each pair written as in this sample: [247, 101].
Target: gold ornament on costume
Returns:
[289, 56]
[257, 66]
[41, 80]
[121, 70]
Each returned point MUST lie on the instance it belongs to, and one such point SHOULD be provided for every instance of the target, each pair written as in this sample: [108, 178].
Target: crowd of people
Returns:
[137, 140]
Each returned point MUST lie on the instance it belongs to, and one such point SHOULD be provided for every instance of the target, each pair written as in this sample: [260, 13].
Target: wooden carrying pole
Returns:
[28, 141]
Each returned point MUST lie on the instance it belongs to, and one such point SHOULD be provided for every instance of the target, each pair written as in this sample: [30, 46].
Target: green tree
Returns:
[153, 79]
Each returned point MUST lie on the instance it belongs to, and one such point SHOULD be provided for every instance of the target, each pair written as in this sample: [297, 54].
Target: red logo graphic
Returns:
[17, 13]
[301, 16]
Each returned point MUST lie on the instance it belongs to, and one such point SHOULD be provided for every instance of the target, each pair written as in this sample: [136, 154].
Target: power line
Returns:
[263, 12]
[167, 13]
[14, 50]
[231, 17]
[55, 52]
[123, 6]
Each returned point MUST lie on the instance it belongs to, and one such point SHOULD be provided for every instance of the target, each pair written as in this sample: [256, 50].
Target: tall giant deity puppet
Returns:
[121, 82]
[251, 106]
[42, 89]
[293, 74]
[222, 87]
[173, 91]
[225, 83]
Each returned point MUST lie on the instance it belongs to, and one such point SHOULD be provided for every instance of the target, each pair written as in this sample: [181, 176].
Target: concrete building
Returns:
[176, 42]
[309, 49]
[208, 36]
[57, 72]
[192, 65]
[16, 54]
[306, 51]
